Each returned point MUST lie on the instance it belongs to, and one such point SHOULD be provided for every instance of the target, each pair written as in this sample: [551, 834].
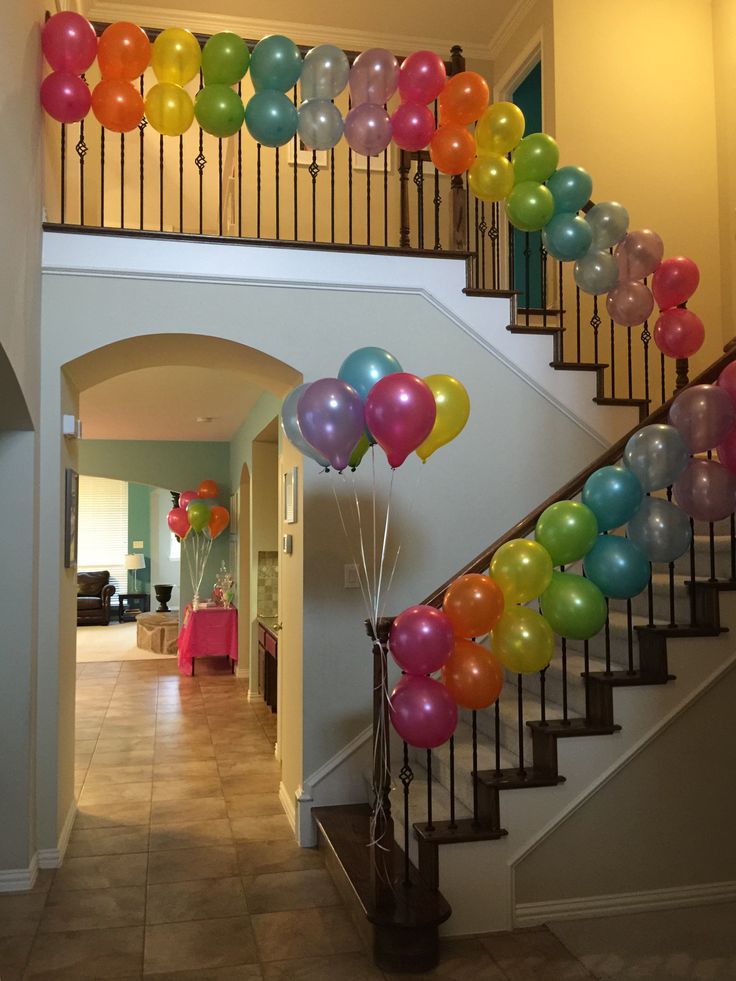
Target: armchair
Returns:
[93, 598]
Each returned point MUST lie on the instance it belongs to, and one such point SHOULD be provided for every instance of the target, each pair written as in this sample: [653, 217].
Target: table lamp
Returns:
[135, 562]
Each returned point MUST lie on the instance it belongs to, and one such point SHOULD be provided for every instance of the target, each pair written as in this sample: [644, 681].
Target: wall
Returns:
[163, 569]
[139, 529]
[724, 63]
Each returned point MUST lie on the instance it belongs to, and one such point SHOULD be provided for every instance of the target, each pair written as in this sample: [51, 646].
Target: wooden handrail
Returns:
[574, 486]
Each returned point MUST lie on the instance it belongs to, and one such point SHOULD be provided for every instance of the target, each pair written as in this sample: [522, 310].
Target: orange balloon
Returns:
[117, 105]
[219, 520]
[207, 488]
[464, 99]
[124, 51]
[452, 149]
[472, 675]
[474, 604]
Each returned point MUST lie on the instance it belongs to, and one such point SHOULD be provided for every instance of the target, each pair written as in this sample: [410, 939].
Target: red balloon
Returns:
[65, 97]
[422, 711]
[675, 281]
[178, 521]
[679, 333]
[421, 640]
[124, 51]
[186, 497]
[412, 126]
[472, 675]
[400, 411]
[117, 105]
[69, 42]
[207, 488]
[422, 77]
[219, 520]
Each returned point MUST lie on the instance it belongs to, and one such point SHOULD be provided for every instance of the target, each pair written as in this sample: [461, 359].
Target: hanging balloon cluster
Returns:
[198, 521]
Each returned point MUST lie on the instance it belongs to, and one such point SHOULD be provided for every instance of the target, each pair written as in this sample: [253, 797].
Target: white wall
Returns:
[163, 568]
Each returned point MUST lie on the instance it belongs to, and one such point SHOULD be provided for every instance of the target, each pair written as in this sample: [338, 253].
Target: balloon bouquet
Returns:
[198, 522]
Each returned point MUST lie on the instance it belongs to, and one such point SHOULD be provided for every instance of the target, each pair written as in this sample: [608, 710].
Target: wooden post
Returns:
[404, 225]
[458, 202]
[382, 847]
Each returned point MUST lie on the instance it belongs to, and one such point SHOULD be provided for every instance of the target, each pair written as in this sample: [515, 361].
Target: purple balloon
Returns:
[703, 415]
[421, 639]
[629, 304]
[330, 416]
[422, 711]
[368, 129]
[373, 78]
[706, 491]
[638, 255]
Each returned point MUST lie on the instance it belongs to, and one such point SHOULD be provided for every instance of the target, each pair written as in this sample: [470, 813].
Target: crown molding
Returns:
[251, 27]
[506, 30]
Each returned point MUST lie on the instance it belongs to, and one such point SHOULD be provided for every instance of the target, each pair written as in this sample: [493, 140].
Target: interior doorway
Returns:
[527, 95]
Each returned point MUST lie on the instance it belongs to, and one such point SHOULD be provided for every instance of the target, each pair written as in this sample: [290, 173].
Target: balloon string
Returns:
[385, 540]
[371, 592]
[410, 512]
[352, 551]
[373, 471]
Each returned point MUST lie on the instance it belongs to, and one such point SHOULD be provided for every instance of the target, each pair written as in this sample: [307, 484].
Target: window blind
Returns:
[103, 528]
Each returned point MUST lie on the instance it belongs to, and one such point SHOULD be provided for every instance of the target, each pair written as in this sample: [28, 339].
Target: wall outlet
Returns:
[352, 581]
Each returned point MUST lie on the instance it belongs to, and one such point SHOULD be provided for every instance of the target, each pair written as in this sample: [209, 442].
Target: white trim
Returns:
[338, 759]
[52, 858]
[508, 26]
[677, 897]
[254, 696]
[288, 805]
[19, 880]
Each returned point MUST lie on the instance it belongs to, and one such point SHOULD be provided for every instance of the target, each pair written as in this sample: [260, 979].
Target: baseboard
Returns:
[51, 858]
[288, 805]
[254, 696]
[532, 914]
[19, 880]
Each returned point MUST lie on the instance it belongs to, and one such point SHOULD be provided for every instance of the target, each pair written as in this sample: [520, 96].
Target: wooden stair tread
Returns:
[627, 679]
[563, 729]
[514, 780]
[578, 365]
[665, 630]
[529, 329]
[619, 400]
[502, 294]
[443, 833]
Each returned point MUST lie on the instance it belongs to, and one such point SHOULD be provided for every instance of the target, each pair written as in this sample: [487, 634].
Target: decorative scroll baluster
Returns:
[277, 202]
[406, 775]
[102, 177]
[595, 323]
[122, 180]
[240, 172]
[493, 235]
[141, 161]
[520, 722]
[82, 149]
[645, 339]
[62, 175]
[419, 184]
[201, 162]
[313, 173]
[368, 200]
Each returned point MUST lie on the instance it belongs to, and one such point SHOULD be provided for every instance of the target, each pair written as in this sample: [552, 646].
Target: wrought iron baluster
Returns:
[201, 162]
[368, 200]
[578, 326]
[258, 190]
[419, 184]
[430, 825]
[645, 339]
[102, 177]
[483, 228]
[650, 598]
[662, 374]
[295, 177]
[82, 150]
[493, 235]
[313, 172]
[692, 572]
[385, 197]
[474, 731]
[543, 695]
[181, 183]
[733, 547]
[277, 202]
[240, 171]
[122, 180]
[561, 321]
[671, 577]
[543, 270]
[612, 366]
[62, 174]
[630, 635]
[520, 722]
[497, 736]
[629, 363]
[595, 323]
[607, 636]
[219, 180]
[161, 182]
[453, 823]
[332, 194]
[350, 196]
[512, 260]
[527, 277]
[563, 648]
[436, 202]
[586, 672]
[406, 775]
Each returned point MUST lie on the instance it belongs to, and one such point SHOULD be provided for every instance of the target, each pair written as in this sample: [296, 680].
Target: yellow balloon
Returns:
[169, 109]
[523, 570]
[491, 178]
[176, 56]
[500, 128]
[453, 409]
[523, 640]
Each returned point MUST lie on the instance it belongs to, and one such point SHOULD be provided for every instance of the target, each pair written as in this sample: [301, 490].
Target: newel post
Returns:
[458, 200]
[382, 825]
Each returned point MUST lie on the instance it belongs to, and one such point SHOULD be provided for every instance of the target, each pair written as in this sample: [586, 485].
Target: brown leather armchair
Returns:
[94, 590]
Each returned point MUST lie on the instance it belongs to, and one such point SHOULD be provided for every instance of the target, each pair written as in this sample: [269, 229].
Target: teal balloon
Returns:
[567, 237]
[573, 606]
[364, 367]
[225, 59]
[614, 495]
[661, 530]
[276, 64]
[271, 118]
[617, 566]
[571, 188]
[219, 110]
[198, 513]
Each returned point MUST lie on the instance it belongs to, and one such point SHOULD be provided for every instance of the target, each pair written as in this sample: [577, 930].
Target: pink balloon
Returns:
[422, 77]
[679, 333]
[422, 711]
[629, 304]
[65, 97]
[374, 77]
[638, 255]
[703, 415]
[706, 491]
[400, 411]
[412, 126]
[421, 639]
[368, 129]
[69, 42]
[330, 416]
[675, 281]
[186, 497]
[178, 521]
[727, 380]
[726, 451]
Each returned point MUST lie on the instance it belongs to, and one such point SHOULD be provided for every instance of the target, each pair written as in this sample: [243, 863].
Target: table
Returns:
[129, 601]
[208, 632]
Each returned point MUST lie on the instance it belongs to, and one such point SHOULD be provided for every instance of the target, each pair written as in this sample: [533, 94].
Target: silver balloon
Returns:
[320, 124]
[657, 455]
[290, 426]
[596, 272]
[609, 222]
[325, 73]
[660, 529]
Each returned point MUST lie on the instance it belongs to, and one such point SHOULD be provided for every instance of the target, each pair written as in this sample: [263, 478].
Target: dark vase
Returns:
[163, 595]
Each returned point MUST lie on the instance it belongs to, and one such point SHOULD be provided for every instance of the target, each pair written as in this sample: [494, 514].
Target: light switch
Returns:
[137, 544]
[287, 544]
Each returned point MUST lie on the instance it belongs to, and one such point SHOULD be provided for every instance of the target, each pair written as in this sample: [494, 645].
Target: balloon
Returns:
[571, 187]
[374, 77]
[530, 206]
[706, 491]
[617, 566]
[473, 604]
[609, 222]
[660, 529]
[207, 488]
[219, 110]
[65, 97]
[330, 416]
[567, 530]
[638, 255]
[400, 412]
[491, 177]
[320, 124]
[614, 495]
[225, 59]
[596, 272]
[271, 118]
[412, 126]
[567, 236]
[463, 99]
[290, 426]
[361, 448]
[176, 56]
[472, 675]
[629, 304]
[422, 711]
[523, 570]
[364, 367]
[325, 73]
[500, 128]
[276, 64]
[452, 149]
[117, 105]
[656, 455]
[186, 497]
[169, 109]
[219, 520]
[124, 51]
[421, 640]
[453, 410]
[675, 281]
[523, 640]
[69, 42]
[368, 129]
[727, 380]
[703, 415]
[535, 158]
[199, 515]
[422, 77]
[574, 606]
[679, 333]
[726, 451]
[178, 521]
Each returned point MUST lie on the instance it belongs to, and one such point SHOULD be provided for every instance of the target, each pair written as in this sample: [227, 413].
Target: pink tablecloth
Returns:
[208, 632]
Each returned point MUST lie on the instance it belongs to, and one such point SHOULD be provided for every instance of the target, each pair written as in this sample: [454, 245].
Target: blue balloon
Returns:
[617, 566]
[661, 530]
[292, 431]
[571, 188]
[567, 236]
[271, 118]
[364, 367]
[614, 495]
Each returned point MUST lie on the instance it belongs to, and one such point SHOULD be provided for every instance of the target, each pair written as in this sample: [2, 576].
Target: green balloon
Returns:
[530, 206]
[361, 448]
[568, 530]
[219, 110]
[276, 64]
[573, 606]
[271, 118]
[535, 158]
[225, 59]
[199, 515]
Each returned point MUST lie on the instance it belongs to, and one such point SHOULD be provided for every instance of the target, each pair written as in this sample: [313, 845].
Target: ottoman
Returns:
[157, 632]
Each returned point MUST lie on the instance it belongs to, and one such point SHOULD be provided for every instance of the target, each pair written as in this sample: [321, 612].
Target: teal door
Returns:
[528, 268]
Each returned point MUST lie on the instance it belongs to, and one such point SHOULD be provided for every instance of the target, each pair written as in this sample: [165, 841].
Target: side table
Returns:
[129, 602]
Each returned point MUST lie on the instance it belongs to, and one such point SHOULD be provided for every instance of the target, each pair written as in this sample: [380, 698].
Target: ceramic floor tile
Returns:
[275, 891]
[112, 814]
[460, 960]
[183, 864]
[100, 775]
[256, 783]
[94, 909]
[261, 828]
[254, 805]
[20, 914]
[281, 855]
[191, 834]
[242, 972]
[116, 793]
[86, 954]
[199, 809]
[13, 956]
[199, 945]
[534, 955]
[189, 788]
[185, 770]
[341, 967]
[304, 933]
[107, 841]
[202, 899]
[100, 872]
